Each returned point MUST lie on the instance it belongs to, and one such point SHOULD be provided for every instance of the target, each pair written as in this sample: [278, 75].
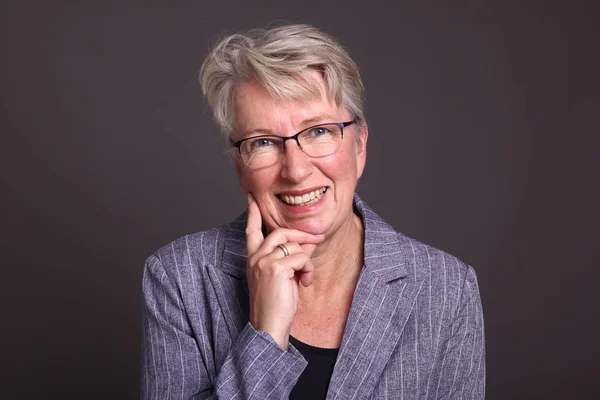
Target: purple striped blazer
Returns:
[415, 328]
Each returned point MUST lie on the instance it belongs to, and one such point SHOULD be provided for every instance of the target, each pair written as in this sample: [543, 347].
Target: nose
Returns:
[296, 165]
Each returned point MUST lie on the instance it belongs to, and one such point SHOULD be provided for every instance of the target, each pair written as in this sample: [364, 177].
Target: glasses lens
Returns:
[261, 151]
[321, 140]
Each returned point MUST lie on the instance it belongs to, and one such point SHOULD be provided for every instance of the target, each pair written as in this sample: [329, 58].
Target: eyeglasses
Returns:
[317, 141]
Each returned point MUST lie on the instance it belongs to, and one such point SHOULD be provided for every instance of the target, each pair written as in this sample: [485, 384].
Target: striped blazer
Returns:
[414, 331]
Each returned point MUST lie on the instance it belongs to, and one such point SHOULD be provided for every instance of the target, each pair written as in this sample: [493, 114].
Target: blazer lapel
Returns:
[383, 301]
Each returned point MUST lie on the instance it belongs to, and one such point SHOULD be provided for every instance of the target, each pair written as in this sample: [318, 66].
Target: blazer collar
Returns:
[381, 249]
[381, 246]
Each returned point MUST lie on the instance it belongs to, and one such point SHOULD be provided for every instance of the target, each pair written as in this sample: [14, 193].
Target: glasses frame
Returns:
[284, 139]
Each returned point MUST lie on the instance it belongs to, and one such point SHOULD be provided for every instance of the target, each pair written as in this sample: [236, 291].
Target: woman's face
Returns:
[257, 113]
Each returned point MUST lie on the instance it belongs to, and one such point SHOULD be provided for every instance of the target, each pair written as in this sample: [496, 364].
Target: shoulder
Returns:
[425, 259]
[446, 282]
[195, 252]
[399, 255]
[421, 260]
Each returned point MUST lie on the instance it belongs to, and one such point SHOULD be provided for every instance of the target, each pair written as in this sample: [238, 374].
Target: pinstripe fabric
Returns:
[415, 328]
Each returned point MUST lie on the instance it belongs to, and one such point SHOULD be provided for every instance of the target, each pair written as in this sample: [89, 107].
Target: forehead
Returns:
[257, 110]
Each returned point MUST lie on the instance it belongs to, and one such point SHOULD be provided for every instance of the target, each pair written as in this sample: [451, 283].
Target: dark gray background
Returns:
[483, 142]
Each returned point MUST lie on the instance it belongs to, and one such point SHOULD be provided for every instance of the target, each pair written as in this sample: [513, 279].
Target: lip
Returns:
[300, 192]
[307, 209]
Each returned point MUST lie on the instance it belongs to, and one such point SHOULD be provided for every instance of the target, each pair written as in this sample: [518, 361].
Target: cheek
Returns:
[241, 175]
[257, 182]
[253, 181]
[341, 165]
[243, 179]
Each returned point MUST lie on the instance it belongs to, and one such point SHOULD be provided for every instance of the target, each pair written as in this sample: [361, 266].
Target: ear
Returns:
[361, 149]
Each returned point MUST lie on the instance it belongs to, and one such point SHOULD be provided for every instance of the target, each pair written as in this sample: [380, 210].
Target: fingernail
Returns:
[250, 198]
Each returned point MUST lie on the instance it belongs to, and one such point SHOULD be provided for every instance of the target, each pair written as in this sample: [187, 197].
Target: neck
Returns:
[338, 260]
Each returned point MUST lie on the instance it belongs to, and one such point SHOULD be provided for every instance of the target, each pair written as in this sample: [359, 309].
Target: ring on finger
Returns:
[285, 250]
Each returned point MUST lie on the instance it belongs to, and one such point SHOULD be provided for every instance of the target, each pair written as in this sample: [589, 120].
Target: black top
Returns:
[314, 381]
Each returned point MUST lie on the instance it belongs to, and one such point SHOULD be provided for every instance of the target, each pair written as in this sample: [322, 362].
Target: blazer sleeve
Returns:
[459, 371]
[174, 365]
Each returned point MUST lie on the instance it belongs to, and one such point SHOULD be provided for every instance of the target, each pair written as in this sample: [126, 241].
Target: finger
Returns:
[308, 248]
[298, 262]
[292, 248]
[306, 278]
[269, 245]
[254, 235]
[290, 235]
[303, 270]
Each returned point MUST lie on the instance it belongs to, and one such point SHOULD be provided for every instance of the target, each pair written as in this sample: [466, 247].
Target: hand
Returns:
[273, 277]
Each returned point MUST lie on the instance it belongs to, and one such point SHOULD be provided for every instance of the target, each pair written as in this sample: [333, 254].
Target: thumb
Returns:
[254, 235]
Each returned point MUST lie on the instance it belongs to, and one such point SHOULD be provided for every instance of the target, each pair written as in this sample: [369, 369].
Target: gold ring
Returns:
[286, 252]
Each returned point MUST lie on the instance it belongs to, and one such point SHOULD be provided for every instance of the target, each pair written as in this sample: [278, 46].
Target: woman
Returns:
[309, 294]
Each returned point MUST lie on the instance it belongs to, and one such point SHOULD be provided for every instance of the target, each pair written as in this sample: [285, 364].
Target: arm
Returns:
[174, 364]
[459, 371]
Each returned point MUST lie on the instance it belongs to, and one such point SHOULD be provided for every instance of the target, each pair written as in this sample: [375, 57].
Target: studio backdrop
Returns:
[483, 121]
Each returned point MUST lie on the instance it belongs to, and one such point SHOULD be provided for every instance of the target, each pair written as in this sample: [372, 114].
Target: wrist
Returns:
[281, 337]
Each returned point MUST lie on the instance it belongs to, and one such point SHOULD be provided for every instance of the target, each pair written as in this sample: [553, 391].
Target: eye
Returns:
[262, 143]
[320, 131]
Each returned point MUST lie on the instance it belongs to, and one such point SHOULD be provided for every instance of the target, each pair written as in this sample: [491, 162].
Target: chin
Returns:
[313, 227]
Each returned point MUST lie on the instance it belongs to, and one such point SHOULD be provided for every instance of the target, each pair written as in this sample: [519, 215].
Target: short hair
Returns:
[277, 58]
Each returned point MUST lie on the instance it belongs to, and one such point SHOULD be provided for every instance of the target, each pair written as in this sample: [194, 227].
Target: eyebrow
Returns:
[306, 123]
[315, 120]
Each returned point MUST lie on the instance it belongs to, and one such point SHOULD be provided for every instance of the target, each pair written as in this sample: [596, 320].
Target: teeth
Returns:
[305, 199]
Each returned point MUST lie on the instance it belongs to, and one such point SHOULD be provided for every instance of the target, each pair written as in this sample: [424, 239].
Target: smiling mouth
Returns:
[305, 199]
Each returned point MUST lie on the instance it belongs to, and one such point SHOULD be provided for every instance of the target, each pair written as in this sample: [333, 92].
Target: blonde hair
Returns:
[278, 58]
